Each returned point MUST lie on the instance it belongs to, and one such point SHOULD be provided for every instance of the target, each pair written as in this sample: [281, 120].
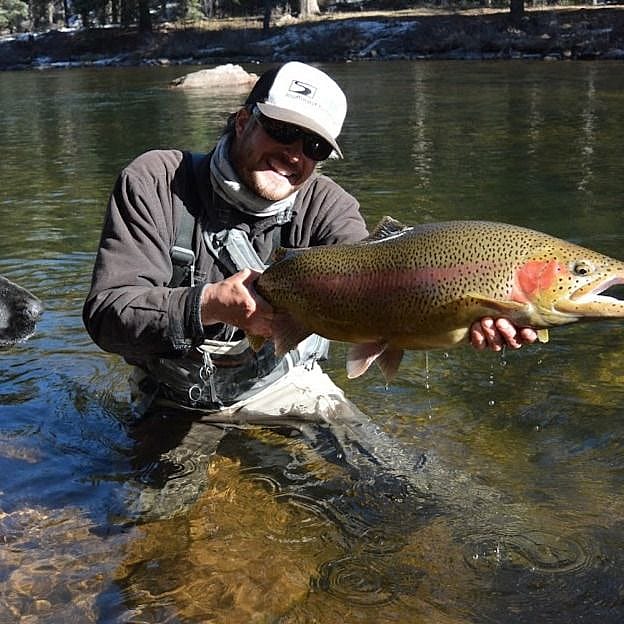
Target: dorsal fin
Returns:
[285, 252]
[279, 253]
[387, 227]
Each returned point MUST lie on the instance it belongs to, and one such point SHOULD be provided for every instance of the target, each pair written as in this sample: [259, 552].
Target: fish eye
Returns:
[582, 267]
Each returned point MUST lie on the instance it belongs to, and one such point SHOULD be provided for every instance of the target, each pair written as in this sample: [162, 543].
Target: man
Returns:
[255, 191]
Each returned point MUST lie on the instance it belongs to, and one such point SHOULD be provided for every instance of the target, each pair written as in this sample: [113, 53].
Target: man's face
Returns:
[271, 170]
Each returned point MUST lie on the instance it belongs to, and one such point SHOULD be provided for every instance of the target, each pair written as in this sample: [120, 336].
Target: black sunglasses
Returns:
[313, 145]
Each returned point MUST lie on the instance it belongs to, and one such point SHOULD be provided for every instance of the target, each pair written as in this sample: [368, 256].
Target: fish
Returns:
[421, 287]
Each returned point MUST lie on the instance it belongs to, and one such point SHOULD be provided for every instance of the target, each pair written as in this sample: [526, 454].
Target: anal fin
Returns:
[361, 356]
[389, 362]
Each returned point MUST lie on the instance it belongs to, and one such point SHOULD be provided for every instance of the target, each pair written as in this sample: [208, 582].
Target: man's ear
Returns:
[241, 120]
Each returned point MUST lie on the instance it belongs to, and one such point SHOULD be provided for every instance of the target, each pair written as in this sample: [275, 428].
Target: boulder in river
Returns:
[222, 76]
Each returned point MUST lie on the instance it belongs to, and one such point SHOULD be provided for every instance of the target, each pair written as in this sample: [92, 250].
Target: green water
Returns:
[527, 523]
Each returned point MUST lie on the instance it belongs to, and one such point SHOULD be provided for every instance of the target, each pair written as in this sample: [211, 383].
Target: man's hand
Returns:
[496, 334]
[234, 301]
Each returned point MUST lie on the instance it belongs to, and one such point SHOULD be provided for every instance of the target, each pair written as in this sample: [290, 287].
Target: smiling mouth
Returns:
[285, 172]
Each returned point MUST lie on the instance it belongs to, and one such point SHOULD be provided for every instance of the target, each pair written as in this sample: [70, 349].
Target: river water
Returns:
[520, 516]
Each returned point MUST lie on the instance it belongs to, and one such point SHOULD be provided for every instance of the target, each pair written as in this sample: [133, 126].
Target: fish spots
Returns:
[423, 286]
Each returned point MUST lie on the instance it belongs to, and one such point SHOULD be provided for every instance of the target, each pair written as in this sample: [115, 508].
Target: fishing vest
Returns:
[218, 373]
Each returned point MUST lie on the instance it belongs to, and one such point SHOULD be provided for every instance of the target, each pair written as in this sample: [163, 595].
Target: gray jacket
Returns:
[130, 308]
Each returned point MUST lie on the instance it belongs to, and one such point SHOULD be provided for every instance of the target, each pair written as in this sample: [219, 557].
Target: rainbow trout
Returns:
[422, 287]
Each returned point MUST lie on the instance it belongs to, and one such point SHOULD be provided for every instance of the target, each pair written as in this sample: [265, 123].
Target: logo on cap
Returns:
[302, 88]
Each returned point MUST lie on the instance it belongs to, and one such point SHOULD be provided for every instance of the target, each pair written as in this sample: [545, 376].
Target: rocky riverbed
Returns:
[584, 33]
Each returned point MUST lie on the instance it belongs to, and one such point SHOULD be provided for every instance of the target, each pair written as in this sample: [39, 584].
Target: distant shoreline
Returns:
[571, 33]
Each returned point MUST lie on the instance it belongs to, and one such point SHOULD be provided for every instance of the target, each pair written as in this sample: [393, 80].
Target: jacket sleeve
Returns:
[129, 309]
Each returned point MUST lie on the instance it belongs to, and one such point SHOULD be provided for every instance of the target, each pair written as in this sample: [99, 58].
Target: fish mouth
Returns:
[610, 291]
[616, 291]
[604, 299]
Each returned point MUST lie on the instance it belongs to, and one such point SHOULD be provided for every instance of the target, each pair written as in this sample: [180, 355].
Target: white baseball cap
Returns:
[302, 95]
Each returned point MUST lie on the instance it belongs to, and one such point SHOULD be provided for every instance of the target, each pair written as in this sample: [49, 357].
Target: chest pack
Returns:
[220, 372]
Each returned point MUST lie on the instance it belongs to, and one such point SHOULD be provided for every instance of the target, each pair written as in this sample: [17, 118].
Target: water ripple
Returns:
[307, 518]
[366, 580]
[533, 550]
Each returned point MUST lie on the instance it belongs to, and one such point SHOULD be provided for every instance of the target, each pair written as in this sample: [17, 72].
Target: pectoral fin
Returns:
[361, 356]
[506, 308]
[498, 307]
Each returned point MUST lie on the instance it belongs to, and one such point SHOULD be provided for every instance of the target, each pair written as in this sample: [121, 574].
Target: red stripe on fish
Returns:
[356, 283]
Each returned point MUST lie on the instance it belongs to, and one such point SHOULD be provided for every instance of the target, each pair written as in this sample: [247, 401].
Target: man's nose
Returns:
[294, 151]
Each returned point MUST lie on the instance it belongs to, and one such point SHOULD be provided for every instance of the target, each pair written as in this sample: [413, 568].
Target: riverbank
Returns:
[578, 33]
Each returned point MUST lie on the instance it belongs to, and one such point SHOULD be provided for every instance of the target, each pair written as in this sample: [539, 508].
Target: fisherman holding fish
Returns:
[187, 235]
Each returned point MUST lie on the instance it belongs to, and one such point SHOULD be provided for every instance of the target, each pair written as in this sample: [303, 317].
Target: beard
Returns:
[269, 185]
